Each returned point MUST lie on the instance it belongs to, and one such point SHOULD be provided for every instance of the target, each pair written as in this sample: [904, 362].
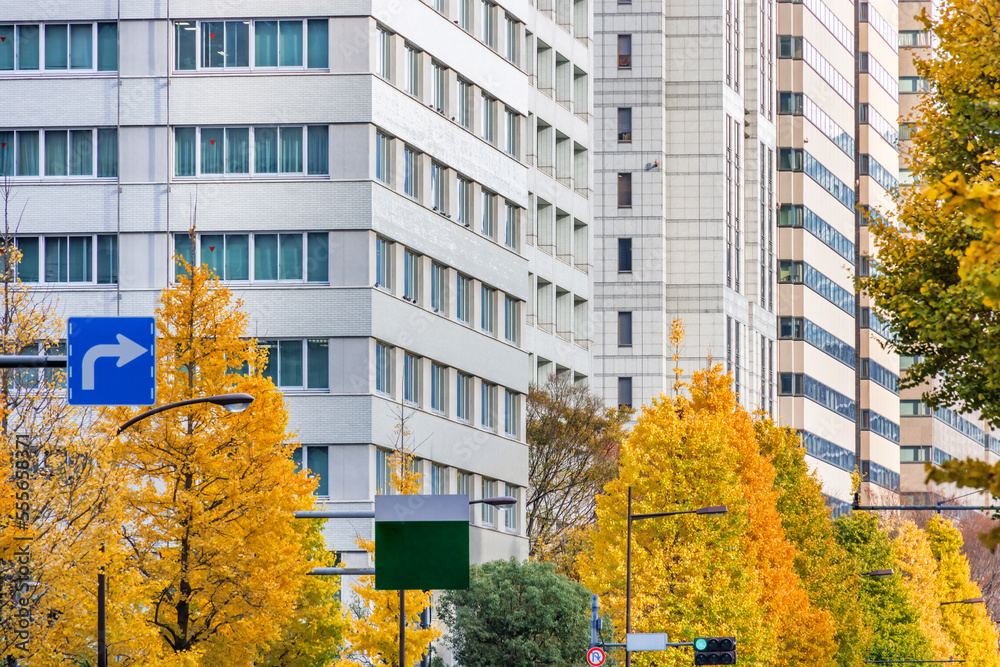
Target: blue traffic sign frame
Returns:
[111, 360]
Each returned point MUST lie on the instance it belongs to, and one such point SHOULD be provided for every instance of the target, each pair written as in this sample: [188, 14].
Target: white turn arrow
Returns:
[125, 349]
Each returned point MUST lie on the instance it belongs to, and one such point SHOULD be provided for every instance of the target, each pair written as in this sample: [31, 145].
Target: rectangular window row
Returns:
[883, 426]
[82, 153]
[868, 166]
[66, 259]
[880, 375]
[446, 397]
[880, 475]
[798, 48]
[251, 44]
[791, 271]
[59, 47]
[799, 104]
[824, 450]
[868, 65]
[868, 14]
[795, 215]
[287, 150]
[800, 328]
[556, 310]
[830, 21]
[450, 192]
[796, 159]
[298, 363]
[797, 384]
[867, 114]
[414, 275]
[871, 320]
[259, 257]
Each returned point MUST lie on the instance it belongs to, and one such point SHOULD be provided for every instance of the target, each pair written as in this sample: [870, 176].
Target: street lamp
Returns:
[878, 573]
[231, 402]
[715, 509]
[966, 601]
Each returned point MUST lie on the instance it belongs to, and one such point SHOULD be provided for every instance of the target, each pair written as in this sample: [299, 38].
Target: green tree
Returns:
[572, 453]
[887, 607]
[829, 573]
[518, 615]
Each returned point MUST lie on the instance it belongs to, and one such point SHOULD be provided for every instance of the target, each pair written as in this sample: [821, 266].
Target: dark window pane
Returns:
[237, 257]
[185, 45]
[213, 44]
[624, 328]
[56, 46]
[319, 47]
[265, 257]
[212, 253]
[319, 467]
[183, 247]
[107, 259]
[290, 44]
[27, 46]
[6, 47]
[27, 268]
[624, 255]
[625, 392]
[266, 43]
[107, 47]
[319, 363]
[237, 43]
[318, 268]
[212, 151]
[624, 190]
[80, 259]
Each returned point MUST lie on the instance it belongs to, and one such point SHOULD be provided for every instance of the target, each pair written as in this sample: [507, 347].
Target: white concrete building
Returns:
[686, 192]
[398, 190]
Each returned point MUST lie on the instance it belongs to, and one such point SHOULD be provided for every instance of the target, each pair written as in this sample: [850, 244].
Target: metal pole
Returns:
[402, 628]
[628, 578]
[102, 626]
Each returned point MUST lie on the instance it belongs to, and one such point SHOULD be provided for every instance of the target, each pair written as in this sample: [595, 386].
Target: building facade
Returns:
[686, 188]
[398, 191]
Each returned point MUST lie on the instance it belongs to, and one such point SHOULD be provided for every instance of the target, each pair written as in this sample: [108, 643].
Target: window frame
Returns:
[93, 263]
[251, 172]
[306, 368]
[42, 158]
[42, 69]
[383, 369]
[252, 65]
[308, 237]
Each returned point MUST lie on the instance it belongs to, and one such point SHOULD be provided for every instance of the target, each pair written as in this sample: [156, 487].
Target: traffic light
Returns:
[715, 651]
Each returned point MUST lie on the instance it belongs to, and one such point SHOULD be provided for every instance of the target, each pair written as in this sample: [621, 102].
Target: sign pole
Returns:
[402, 628]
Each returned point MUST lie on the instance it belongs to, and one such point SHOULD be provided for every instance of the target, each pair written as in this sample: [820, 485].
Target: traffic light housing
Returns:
[715, 651]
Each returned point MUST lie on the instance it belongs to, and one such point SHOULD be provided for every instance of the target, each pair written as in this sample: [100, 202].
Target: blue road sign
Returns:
[111, 360]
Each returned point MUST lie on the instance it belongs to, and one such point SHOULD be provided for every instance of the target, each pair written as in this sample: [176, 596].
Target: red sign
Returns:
[596, 656]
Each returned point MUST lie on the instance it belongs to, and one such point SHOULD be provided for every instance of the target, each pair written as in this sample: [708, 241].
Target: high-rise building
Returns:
[367, 179]
[686, 188]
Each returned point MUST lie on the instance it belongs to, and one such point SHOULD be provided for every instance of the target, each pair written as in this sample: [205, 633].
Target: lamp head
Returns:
[878, 573]
[716, 509]
[232, 402]
[500, 501]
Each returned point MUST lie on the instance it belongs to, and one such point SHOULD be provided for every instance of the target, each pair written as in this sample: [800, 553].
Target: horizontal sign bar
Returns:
[646, 641]
[336, 514]
[349, 571]
[31, 361]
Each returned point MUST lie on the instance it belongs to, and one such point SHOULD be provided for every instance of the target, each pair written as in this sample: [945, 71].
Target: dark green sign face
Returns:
[421, 555]
[700, 644]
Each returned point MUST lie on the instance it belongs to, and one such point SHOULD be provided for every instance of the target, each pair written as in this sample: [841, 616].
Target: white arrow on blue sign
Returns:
[111, 360]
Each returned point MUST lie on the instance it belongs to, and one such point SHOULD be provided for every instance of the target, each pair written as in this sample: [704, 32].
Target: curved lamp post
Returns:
[231, 402]
[715, 509]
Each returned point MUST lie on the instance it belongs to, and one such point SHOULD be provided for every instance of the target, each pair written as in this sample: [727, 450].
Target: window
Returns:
[439, 388]
[463, 398]
[465, 15]
[256, 257]
[512, 319]
[489, 119]
[624, 329]
[383, 65]
[511, 416]
[624, 51]
[624, 190]
[511, 232]
[913, 84]
[439, 288]
[411, 276]
[383, 473]
[624, 392]
[228, 44]
[383, 369]
[464, 201]
[217, 151]
[510, 511]
[490, 24]
[67, 259]
[315, 459]
[383, 158]
[510, 39]
[439, 88]
[412, 71]
[512, 132]
[465, 102]
[488, 322]
[463, 295]
[439, 480]
[67, 47]
[383, 263]
[59, 153]
[913, 38]
[489, 214]
[625, 255]
[489, 406]
[625, 124]
[298, 364]
[411, 378]
[439, 188]
[489, 488]
[411, 173]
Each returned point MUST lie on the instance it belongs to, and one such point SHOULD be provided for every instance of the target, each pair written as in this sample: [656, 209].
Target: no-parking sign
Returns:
[596, 656]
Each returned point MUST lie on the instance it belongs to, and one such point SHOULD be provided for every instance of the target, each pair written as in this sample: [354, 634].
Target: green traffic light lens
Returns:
[700, 644]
